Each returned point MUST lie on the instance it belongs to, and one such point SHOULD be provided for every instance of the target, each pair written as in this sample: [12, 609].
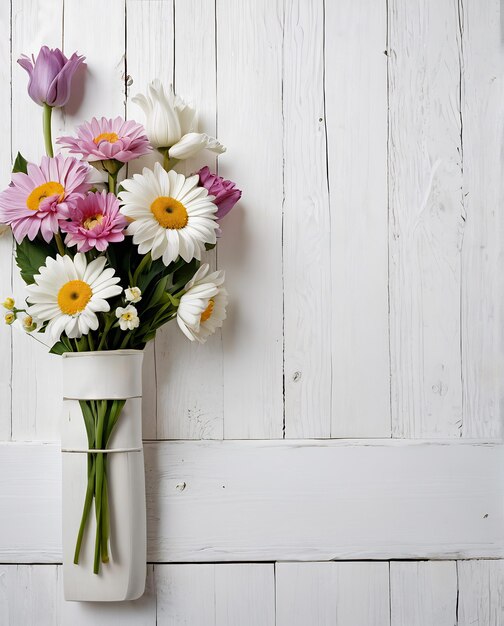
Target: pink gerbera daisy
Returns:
[95, 222]
[36, 202]
[101, 140]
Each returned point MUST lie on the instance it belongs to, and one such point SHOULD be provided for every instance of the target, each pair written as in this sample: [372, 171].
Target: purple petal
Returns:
[59, 91]
[229, 199]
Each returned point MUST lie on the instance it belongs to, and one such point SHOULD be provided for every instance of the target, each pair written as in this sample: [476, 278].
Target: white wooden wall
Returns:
[365, 270]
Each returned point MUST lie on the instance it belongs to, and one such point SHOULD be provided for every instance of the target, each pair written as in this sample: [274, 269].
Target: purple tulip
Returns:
[225, 192]
[50, 75]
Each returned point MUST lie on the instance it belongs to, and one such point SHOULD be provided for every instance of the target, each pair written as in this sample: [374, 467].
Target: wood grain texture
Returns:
[34, 415]
[306, 226]
[175, 595]
[240, 501]
[5, 236]
[483, 249]
[481, 592]
[216, 595]
[356, 120]
[29, 595]
[149, 57]
[249, 104]
[423, 593]
[332, 594]
[190, 406]
[426, 218]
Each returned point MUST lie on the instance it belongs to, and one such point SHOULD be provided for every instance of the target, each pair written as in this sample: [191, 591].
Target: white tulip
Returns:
[172, 123]
[192, 143]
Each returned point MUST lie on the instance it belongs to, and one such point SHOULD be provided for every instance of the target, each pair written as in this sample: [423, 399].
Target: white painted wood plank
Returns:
[32, 595]
[278, 500]
[5, 238]
[104, 48]
[481, 593]
[483, 246]
[190, 406]
[306, 226]
[34, 414]
[333, 594]
[426, 218]
[216, 595]
[423, 593]
[249, 102]
[149, 55]
[29, 595]
[356, 119]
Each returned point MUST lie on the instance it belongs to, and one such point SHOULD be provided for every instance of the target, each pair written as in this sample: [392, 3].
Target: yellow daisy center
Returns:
[127, 316]
[44, 191]
[92, 221]
[74, 296]
[110, 137]
[208, 311]
[170, 213]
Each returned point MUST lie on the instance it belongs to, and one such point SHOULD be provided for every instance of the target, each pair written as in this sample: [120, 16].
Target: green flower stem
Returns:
[125, 341]
[87, 508]
[46, 122]
[105, 520]
[168, 164]
[91, 341]
[108, 323]
[100, 417]
[100, 468]
[59, 243]
[112, 179]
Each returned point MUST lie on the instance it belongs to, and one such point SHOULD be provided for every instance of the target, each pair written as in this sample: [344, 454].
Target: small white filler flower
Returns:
[128, 317]
[202, 308]
[133, 294]
[68, 294]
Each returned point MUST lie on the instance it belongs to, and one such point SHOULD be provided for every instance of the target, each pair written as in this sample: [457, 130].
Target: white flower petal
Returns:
[192, 143]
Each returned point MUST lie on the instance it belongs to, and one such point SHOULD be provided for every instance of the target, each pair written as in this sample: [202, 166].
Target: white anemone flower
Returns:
[202, 308]
[128, 317]
[69, 293]
[171, 215]
[172, 123]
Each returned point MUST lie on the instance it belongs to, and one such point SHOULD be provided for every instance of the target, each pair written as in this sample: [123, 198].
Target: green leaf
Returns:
[30, 256]
[20, 164]
[158, 292]
[58, 348]
[62, 346]
[87, 414]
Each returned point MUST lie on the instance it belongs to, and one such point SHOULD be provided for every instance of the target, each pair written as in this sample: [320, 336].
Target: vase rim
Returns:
[93, 353]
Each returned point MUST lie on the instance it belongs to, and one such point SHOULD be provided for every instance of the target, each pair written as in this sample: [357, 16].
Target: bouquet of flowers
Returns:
[105, 268]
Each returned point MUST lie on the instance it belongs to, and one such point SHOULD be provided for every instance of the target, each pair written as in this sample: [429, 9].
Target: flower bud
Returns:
[9, 303]
[28, 324]
[10, 318]
[50, 75]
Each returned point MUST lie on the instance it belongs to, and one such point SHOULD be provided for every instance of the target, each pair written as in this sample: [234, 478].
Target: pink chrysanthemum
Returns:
[100, 140]
[95, 222]
[36, 202]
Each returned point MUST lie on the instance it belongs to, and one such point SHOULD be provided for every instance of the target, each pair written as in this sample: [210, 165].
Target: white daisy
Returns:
[171, 215]
[202, 308]
[128, 317]
[68, 294]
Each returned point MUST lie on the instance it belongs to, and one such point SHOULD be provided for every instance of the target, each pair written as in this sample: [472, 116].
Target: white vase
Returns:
[93, 376]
